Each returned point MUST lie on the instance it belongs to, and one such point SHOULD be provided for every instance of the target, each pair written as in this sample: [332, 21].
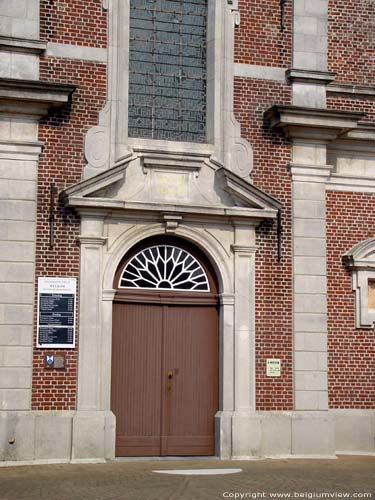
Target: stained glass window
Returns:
[167, 70]
[164, 267]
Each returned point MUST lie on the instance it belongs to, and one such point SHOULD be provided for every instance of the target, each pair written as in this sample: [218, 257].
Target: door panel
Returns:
[191, 396]
[136, 381]
[157, 415]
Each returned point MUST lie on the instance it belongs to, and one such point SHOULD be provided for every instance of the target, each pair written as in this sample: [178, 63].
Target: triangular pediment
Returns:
[188, 183]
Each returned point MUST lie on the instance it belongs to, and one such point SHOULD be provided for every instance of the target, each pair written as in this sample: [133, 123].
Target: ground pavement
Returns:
[346, 477]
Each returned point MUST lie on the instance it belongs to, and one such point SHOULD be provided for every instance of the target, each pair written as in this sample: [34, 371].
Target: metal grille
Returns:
[167, 70]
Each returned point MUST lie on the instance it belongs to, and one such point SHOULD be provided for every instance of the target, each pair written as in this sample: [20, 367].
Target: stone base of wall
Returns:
[56, 437]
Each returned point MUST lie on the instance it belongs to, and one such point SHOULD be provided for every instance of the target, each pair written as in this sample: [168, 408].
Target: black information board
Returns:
[56, 312]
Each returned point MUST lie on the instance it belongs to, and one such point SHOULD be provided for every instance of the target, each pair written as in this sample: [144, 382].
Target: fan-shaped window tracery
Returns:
[164, 267]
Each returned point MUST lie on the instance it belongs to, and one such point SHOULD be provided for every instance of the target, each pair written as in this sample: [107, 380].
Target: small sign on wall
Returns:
[56, 312]
[54, 361]
[273, 368]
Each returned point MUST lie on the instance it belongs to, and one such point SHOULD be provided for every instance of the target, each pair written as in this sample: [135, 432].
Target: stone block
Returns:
[15, 399]
[4, 120]
[5, 71]
[305, 60]
[110, 436]
[15, 8]
[276, 434]
[25, 28]
[16, 272]
[310, 246]
[306, 400]
[316, 43]
[15, 335]
[16, 293]
[223, 433]
[306, 361]
[18, 231]
[17, 210]
[310, 342]
[17, 190]
[16, 252]
[20, 428]
[311, 400]
[89, 435]
[318, 8]
[310, 284]
[24, 66]
[354, 431]
[15, 356]
[306, 153]
[15, 314]
[309, 209]
[322, 62]
[23, 129]
[310, 95]
[53, 435]
[18, 169]
[315, 266]
[33, 9]
[246, 435]
[15, 378]
[313, 434]
[310, 322]
[304, 303]
[309, 228]
[308, 191]
[5, 24]
[305, 25]
[310, 381]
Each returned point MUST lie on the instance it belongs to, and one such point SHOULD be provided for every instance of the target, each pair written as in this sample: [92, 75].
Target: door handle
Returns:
[170, 375]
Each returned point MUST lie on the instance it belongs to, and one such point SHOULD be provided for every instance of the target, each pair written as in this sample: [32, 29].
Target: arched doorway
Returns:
[165, 351]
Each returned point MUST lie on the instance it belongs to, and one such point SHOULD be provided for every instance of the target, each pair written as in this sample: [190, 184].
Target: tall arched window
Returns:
[167, 70]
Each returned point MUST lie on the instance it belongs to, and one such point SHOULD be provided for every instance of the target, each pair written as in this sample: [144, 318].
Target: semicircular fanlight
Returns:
[164, 267]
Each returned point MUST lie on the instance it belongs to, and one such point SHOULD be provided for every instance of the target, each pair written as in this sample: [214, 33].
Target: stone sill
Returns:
[22, 45]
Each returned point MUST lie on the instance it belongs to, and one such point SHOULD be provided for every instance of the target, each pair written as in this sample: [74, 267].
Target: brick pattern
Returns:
[78, 22]
[351, 370]
[354, 103]
[259, 39]
[351, 41]
[272, 153]
[62, 162]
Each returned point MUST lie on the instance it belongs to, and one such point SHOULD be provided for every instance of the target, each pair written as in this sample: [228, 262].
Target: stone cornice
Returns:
[325, 124]
[314, 173]
[307, 76]
[22, 45]
[244, 250]
[356, 90]
[92, 240]
[32, 97]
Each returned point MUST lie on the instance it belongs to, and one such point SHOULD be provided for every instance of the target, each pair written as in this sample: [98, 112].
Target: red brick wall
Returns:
[351, 40]
[78, 22]
[351, 368]
[272, 153]
[62, 162]
[259, 39]
[354, 103]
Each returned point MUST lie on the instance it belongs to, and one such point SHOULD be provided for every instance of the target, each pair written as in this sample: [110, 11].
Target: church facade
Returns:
[187, 248]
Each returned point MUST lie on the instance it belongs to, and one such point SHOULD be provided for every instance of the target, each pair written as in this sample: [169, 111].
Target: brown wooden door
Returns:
[164, 378]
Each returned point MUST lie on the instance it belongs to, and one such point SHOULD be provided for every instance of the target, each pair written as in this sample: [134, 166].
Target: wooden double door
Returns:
[164, 378]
